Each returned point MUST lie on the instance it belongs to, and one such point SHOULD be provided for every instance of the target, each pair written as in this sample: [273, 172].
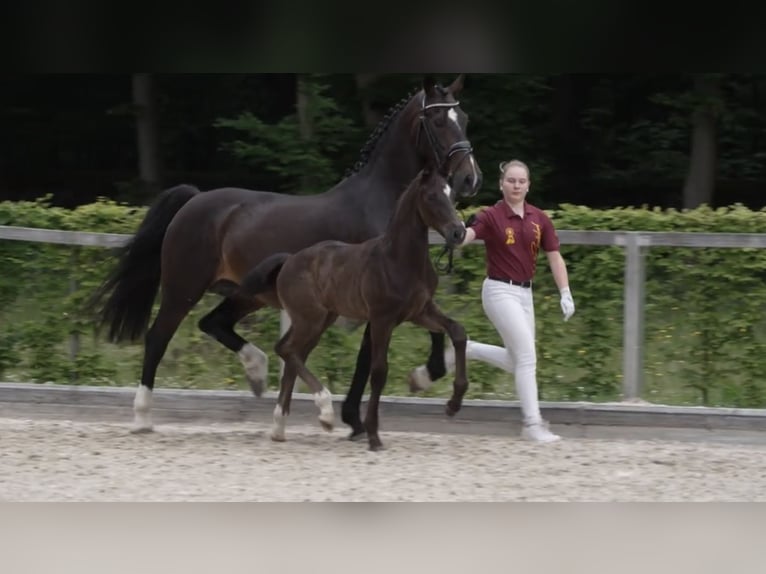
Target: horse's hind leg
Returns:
[219, 324]
[351, 405]
[172, 311]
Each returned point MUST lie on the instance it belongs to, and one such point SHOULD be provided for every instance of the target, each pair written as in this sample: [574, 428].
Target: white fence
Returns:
[635, 244]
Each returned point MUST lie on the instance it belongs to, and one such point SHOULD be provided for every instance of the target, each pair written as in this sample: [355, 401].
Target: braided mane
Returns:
[380, 129]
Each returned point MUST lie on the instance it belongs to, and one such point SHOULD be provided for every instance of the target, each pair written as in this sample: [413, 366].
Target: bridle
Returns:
[463, 146]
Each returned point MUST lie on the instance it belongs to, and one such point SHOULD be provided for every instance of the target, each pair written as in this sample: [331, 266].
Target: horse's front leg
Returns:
[436, 366]
[422, 377]
[433, 318]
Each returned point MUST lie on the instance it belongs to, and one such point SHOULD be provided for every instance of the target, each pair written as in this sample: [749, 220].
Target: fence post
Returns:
[633, 326]
[74, 336]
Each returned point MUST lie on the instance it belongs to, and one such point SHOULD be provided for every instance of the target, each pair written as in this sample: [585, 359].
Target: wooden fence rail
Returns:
[635, 244]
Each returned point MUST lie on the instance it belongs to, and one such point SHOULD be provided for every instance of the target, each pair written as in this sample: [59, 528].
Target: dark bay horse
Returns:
[190, 241]
[385, 281]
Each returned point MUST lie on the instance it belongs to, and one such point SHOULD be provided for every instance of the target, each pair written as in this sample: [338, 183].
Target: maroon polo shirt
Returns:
[512, 242]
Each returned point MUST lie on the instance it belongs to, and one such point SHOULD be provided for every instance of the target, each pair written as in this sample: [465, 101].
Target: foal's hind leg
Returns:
[219, 323]
[282, 408]
[294, 348]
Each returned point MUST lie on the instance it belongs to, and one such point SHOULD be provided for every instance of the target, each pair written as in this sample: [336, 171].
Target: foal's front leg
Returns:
[380, 339]
[431, 318]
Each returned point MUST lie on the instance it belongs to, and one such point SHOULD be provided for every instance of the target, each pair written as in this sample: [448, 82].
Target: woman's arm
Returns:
[561, 277]
[558, 269]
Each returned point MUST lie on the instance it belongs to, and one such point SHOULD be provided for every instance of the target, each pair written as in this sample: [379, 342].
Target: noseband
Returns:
[463, 146]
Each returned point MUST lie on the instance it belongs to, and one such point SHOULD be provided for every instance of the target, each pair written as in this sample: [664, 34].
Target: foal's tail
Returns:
[263, 277]
[132, 286]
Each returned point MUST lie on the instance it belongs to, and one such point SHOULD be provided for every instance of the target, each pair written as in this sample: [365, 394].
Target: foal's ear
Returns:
[457, 86]
[429, 85]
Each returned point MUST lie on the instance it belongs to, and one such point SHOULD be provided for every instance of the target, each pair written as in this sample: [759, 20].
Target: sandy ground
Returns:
[43, 460]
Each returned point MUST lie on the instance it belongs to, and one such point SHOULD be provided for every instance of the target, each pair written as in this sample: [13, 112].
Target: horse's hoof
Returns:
[412, 380]
[376, 447]
[356, 436]
[141, 430]
[257, 386]
[278, 437]
[328, 426]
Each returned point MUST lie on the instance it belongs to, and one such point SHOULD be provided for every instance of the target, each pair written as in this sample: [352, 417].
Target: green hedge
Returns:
[705, 322]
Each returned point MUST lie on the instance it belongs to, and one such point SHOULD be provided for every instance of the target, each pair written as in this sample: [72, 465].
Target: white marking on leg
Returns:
[448, 191]
[278, 428]
[142, 410]
[420, 380]
[323, 399]
[256, 364]
[452, 114]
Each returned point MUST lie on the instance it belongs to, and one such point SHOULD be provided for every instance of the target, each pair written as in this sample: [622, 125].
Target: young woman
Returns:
[513, 232]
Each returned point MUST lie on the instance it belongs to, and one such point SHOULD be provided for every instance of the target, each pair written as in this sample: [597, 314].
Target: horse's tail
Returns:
[263, 277]
[132, 286]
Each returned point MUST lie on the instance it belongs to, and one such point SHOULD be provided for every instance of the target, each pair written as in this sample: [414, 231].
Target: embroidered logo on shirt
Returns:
[536, 241]
[510, 239]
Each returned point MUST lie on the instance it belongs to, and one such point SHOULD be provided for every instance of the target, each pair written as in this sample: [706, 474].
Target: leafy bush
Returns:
[705, 329]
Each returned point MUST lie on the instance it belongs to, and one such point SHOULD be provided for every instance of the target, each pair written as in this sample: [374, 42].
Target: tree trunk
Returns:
[570, 158]
[149, 164]
[363, 82]
[305, 124]
[700, 179]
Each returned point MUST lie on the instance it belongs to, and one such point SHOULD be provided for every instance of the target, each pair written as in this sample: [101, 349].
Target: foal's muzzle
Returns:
[454, 235]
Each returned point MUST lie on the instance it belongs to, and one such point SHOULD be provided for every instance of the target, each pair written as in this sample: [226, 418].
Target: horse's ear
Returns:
[457, 86]
[429, 85]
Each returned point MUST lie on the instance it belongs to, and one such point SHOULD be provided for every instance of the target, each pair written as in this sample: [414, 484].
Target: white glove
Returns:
[567, 303]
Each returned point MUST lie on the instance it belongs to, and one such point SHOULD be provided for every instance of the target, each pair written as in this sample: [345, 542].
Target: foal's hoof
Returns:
[141, 429]
[328, 426]
[277, 437]
[376, 447]
[451, 409]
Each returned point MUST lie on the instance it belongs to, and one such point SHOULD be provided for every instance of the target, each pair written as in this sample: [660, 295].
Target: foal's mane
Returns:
[380, 129]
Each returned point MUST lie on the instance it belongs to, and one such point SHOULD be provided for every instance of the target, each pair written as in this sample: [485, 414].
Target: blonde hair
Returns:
[505, 165]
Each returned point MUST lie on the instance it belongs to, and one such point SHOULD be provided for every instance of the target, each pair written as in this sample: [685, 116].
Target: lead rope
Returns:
[450, 252]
